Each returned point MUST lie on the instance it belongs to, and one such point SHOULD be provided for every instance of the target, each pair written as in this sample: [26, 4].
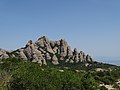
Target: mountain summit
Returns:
[56, 67]
[44, 50]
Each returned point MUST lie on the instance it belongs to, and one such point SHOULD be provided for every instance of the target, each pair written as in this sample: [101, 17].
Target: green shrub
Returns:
[103, 88]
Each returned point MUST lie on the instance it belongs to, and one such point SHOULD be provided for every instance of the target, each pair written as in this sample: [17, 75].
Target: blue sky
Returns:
[89, 25]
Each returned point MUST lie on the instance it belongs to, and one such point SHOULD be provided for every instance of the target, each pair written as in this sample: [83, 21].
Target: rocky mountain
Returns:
[44, 50]
[65, 69]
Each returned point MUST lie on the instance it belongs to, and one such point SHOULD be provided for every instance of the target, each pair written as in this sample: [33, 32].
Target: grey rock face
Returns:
[34, 54]
[88, 58]
[71, 61]
[29, 49]
[69, 52]
[43, 42]
[48, 57]
[75, 55]
[35, 58]
[22, 55]
[44, 49]
[3, 54]
[63, 49]
[81, 56]
[52, 43]
[55, 60]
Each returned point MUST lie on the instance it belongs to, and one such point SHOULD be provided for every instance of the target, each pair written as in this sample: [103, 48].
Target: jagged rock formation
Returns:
[44, 50]
[3, 54]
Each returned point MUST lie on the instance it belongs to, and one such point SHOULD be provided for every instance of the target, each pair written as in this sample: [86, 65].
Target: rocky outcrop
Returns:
[3, 54]
[89, 58]
[63, 49]
[55, 60]
[45, 50]
[22, 54]
[75, 55]
[34, 54]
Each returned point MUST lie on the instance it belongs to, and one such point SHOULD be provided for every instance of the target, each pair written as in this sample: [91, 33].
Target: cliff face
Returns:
[44, 49]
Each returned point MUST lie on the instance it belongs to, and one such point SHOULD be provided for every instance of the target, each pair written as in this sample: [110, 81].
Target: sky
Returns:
[92, 26]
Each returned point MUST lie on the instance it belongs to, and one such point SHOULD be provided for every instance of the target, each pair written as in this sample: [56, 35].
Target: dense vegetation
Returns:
[21, 75]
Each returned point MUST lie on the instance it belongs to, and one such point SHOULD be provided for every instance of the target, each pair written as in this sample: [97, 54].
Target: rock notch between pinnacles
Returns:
[44, 49]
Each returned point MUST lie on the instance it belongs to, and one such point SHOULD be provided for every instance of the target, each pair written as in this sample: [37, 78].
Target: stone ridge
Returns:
[44, 49]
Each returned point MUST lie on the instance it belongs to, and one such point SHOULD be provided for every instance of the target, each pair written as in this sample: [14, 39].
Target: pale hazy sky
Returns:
[89, 25]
